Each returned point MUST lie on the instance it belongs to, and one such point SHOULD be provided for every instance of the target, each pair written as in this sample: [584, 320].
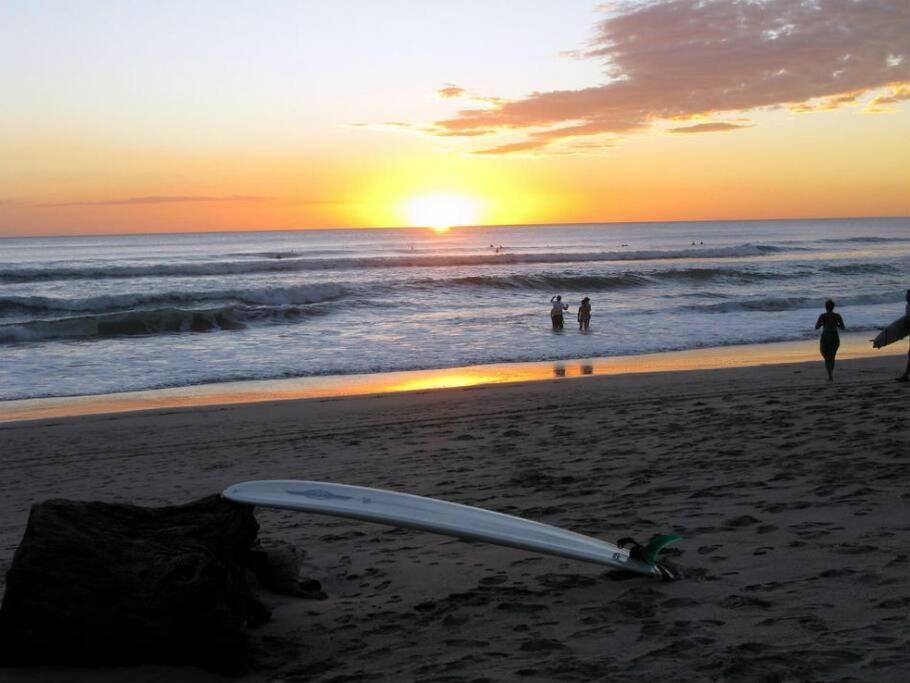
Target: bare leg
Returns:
[829, 366]
[906, 376]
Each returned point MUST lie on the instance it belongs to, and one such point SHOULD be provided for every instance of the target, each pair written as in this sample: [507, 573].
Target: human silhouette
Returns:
[584, 314]
[906, 376]
[556, 311]
[829, 321]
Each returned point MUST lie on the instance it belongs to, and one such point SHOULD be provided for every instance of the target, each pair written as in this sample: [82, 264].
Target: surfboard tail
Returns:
[656, 546]
[650, 553]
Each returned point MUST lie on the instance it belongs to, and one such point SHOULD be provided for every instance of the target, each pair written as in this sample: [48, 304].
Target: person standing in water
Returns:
[584, 314]
[906, 376]
[829, 321]
[556, 311]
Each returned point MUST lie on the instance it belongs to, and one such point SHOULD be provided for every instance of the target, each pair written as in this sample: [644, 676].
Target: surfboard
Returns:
[894, 332]
[449, 519]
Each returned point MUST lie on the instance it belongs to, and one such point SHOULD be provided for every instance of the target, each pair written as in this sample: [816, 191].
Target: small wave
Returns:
[777, 304]
[265, 296]
[602, 283]
[543, 282]
[735, 275]
[279, 254]
[862, 240]
[273, 265]
[861, 268]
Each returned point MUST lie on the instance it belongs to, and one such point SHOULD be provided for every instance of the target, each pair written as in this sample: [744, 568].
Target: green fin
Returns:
[654, 547]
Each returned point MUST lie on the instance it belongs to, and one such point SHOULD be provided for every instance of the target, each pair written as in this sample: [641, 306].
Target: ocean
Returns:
[100, 314]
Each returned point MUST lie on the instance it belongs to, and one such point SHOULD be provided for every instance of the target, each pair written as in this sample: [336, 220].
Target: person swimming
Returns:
[556, 311]
[829, 341]
[584, 314]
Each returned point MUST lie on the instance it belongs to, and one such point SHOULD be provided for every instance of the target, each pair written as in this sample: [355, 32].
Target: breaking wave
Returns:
[155, 321]
[265, 296]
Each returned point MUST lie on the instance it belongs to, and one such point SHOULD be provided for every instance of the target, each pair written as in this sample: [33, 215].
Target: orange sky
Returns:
[342, 114]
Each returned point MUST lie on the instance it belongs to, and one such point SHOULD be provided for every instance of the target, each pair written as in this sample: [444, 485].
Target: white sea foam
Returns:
[267, 296]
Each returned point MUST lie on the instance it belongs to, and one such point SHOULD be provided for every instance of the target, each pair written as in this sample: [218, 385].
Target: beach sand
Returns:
[792, 493]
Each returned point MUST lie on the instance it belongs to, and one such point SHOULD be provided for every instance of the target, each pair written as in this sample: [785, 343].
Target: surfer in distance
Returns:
[556, 311]
[829, 342]
[906, 376]
[584, 314]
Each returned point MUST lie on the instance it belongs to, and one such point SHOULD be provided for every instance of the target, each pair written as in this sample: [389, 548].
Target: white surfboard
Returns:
[440, 517]
[894, 332]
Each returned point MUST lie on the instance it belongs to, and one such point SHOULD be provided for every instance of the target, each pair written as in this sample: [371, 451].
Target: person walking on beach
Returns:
[829, 321]
[584, 314]
[906, 376]
[556, 311]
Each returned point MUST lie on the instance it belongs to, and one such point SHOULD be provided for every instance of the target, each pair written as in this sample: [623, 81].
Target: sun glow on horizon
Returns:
[441, 211]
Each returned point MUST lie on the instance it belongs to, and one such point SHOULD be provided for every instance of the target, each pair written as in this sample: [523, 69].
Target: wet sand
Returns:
[791, 492]
[853, 345]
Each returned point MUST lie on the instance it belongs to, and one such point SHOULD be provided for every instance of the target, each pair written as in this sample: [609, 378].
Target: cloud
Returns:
[717, 126]
[450, 91]
[524, 146]
[899, 93]
[162, 199]
[432, 131]
[674, 59]
[826, 104]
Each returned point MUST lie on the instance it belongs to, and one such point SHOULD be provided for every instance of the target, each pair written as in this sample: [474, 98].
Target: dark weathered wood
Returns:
[279, 567]
[99, 583]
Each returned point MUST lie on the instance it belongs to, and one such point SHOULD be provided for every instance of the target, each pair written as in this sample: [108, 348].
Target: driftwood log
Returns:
[105, 584]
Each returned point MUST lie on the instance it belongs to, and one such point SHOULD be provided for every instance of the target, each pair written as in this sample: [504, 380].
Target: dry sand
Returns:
[792, 493]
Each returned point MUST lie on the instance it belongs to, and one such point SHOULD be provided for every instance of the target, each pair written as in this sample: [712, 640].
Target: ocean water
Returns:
[88, 315]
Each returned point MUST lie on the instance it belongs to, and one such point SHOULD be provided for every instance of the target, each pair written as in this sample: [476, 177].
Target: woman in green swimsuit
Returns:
[829, 321]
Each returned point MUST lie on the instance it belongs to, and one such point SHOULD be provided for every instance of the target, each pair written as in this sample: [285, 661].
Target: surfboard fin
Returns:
[656, 546]
[650, 552]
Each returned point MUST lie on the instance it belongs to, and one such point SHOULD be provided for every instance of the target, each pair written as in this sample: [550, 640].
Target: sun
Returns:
[442, 211]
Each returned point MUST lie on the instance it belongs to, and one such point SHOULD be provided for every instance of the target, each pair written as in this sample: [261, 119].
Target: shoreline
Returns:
[853, 345]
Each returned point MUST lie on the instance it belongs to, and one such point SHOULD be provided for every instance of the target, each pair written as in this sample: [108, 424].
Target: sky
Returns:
[205, 115]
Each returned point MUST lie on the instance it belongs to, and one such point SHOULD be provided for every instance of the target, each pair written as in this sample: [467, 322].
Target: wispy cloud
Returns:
[523, 146]
[827, 103]
[450, 91]
[157, 199]
[678, 59]
[714, 127]
[899, 93]
[414, 128]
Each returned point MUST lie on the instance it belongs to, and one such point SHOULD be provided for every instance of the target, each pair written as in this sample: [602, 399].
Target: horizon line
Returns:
[454, 227]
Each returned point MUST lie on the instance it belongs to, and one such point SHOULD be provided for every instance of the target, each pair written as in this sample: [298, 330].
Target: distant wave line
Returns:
[291, 265]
